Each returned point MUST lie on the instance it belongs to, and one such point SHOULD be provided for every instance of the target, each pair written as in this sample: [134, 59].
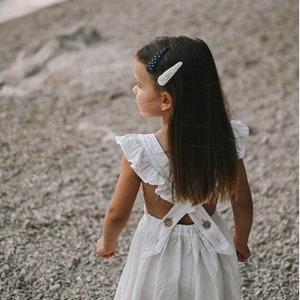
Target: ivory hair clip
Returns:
[164, 78]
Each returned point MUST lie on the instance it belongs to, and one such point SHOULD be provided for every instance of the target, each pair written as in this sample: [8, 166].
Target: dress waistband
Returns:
[205, 224]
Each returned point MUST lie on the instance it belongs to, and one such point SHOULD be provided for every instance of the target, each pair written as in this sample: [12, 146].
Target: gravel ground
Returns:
[65, 92]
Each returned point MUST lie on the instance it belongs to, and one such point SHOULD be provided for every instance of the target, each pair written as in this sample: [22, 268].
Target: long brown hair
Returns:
[203, 155]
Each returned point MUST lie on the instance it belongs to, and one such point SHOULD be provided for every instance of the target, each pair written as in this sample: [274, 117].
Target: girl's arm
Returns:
[119, 209]
[242, 207]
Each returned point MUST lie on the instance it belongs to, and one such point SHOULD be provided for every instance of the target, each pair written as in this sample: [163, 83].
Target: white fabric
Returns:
[240, 130]
[179, 262]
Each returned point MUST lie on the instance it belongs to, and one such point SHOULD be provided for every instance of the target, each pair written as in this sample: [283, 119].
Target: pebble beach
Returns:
[65, 93]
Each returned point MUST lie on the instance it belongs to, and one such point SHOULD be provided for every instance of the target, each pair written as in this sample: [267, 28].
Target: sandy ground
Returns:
[66, 76]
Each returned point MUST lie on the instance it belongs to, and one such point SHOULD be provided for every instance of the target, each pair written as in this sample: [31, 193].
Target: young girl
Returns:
[181, 249]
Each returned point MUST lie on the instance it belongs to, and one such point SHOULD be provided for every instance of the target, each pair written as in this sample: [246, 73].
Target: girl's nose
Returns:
[134, 89]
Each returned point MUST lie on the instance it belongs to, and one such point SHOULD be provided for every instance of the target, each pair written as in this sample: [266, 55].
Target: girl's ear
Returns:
[167, 101]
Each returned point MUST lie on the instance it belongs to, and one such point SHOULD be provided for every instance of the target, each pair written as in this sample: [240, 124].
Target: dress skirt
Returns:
[186, 267]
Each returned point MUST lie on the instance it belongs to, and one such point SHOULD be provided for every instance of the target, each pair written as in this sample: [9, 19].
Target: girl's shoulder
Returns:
[141, 148]
[147, 159]
[132, 137]
[133, 144]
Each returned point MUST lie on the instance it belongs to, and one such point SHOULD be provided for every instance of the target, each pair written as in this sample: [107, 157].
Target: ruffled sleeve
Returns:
[240, 130]
[147, 160]
[133, 150]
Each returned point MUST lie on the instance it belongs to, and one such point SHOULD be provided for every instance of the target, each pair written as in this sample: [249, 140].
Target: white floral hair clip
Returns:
[164, 78]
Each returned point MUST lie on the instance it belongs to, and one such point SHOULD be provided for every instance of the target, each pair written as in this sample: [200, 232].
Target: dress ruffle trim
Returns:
[240, 130]
[148, 161]
[151, 164]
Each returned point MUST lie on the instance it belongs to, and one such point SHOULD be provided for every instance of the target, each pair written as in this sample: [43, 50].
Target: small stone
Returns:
[288, 267]
[6, 268]
[55, 287]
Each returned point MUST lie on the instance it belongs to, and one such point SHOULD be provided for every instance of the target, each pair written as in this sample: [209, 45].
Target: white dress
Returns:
[171, 261]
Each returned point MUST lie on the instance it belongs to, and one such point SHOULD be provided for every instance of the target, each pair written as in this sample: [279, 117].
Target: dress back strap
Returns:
[208, 230]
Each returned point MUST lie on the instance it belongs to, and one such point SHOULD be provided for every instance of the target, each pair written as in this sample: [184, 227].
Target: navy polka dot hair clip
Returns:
[155, 59]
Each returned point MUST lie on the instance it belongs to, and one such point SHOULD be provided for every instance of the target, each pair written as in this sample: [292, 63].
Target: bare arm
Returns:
[242, 207]
[119, 209]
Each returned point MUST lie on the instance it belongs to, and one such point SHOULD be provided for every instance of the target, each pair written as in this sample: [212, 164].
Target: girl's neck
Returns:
[162, 137]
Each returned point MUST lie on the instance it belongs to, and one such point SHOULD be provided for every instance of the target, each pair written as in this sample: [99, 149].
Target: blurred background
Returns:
[65, 93]
[10, 9]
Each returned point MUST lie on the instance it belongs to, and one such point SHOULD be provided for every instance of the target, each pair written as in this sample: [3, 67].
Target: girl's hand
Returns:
[104, 252]
[242, 251]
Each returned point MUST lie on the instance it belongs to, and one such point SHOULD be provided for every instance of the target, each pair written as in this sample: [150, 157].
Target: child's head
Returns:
[201, 142]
